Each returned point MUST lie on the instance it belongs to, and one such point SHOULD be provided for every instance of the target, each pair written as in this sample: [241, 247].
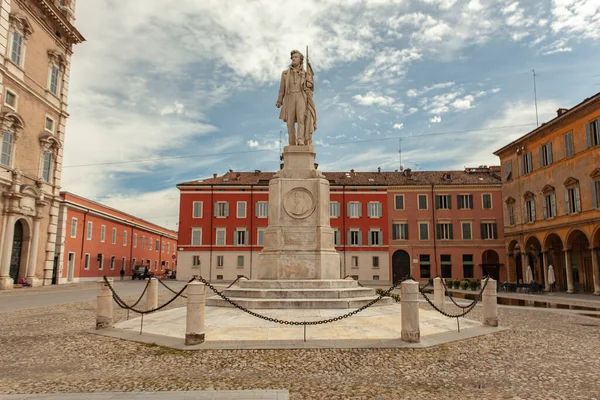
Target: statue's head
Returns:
[297, 58]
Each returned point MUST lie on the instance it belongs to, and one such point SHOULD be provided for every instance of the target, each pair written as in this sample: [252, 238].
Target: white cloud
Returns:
[576, 18]
[175, 108]
[435, 120]
[412, 110]
[463, 104]
[372, 98]
[435, 86]
[398, 126]
[252, 144]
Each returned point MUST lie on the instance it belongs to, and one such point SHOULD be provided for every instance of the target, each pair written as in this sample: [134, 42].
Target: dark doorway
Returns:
[400, 265]
[490, 264]
[15, 258]
[519, 264]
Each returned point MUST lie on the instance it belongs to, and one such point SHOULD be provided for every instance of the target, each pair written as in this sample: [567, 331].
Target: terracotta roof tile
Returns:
[479, 176]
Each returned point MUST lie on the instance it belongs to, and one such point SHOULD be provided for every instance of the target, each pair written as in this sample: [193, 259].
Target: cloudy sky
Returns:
[166, 91]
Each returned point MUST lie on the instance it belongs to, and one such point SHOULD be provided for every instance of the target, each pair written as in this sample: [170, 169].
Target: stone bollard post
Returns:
[438, 293]
[409, 294]
[104, 307]
[490, 304]
[152, 294]
[196, 303]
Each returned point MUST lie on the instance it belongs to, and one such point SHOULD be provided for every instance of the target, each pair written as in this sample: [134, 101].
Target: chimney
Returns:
[230, 171]
[256, 171]
[378, 170]
[214, 176]
[561, 111]
[352, 170]
[407, 172]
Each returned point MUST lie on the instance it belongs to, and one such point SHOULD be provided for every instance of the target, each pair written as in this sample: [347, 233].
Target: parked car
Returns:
[170, 274]
[141, 272]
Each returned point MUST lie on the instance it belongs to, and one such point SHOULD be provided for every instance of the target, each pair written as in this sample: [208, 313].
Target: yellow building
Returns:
[551, 193]
[36, 42]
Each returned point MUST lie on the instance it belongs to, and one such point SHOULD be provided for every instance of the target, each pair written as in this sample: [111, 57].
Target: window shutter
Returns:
[483, 236]
[525, 219]
[495, 231]
[216, 209]
[567, 145]
[338, 238]
[438, 231]
[370, 210]
[359, 238]
[370, 234]
[541, 156]
[594, 196]
[227, 209]
[471, 201]
[532, 210]
[545, 208]
[588, 135]
[577, 199]
[553, 204]
[451, 231]
[437, 201]
[549, 152]
[359, 205]
[349, 241]
[567, 208]
[460, 201]
[449, 202]
[380, 208]
[529, 162]
[348, 210]
[523, 165]
[405, 229]
[246, 237]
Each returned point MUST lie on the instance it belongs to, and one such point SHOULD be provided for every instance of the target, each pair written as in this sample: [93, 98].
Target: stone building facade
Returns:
[551, 196]
[36, 44]
[387, 224]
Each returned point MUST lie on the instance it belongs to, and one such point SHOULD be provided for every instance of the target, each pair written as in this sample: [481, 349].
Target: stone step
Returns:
[297, 284]
[350, 303]
[336, 293]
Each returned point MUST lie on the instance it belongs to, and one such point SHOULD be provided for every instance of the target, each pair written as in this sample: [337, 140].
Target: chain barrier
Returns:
[142, 295]
[467, 309]
[237, 279]
[350, 276]
[171, 290]
[284, 322]
[124, 305]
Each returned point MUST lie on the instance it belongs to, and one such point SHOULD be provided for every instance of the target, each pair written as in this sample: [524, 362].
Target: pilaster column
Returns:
[545, 271]
[33, 253]
[6, 282]
[595, 271]
[569, 269]
[524, 262]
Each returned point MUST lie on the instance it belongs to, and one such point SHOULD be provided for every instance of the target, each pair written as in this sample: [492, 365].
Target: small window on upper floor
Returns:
[47, 166]
[53, 81]
[526, 164]
[10, 99]
[7, 148]
[592, 131]
[569, 149]
[49, 124]
[16, 51]
[546, 154]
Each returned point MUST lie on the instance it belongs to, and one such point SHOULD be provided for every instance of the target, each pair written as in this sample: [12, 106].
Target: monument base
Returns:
[297, 264]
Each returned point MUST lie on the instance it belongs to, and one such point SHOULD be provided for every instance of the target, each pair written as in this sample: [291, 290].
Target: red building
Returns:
[95, 240]
[388, 224]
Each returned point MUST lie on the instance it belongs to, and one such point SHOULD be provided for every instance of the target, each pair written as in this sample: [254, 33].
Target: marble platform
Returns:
[229, 328]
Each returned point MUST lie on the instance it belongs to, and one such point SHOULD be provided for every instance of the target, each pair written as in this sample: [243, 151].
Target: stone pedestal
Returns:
[438, 293]
[196, 310]
[299, 242]
[409, 301]
[104, 305]
[152, 294]
[490, 303]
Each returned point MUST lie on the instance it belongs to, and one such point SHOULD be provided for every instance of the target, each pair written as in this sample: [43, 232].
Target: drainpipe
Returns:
[439, 272]
[131, 248]
[212, 211]
[344, 235]
[83, 233]
[251, 225]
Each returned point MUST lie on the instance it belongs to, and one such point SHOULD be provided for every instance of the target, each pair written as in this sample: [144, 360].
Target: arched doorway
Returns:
[17, 247]
[490, 264]
[556, 258]
[581, 261]
[515, 263]
[534, 258]
[400, 265]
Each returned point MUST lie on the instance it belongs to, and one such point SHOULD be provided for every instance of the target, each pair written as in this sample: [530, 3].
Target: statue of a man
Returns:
[296, 96]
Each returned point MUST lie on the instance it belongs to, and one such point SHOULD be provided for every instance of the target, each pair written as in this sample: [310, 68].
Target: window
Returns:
[354, 210]
[262, 209]
[220, 261]
[443, 202]
[197, 209]
[144, 241]
[596, 194]
[100, 261]
[399, 231]
[260, 237]
[511, 214]
[133, 262]
[375, 261]
[157, 245]
[529, 210]
[486, 200]
[89, 230]
[135, 240]
[425, 266]
[375, 237]
[546, 154]
[465, 201]
[569, 149]
[73, 227]
[221, 209]
[162, 248]
[354, 262]
[592, 131]
[169, 247]
[240, 237]
[123, 263]
[241, 209]
[508, 170]
[374, 210]
[466, 231]
[444, 231]
[337, 240]
[468, 270]
[16, 54]
[489, 230]
[399, 202]
[7, 146]
[53, 73]
[240, 261]
[86, 264]
[572, 200]
[220, 237]
[114, 235]
[422, 202]
[195, 260]
[334, 209]
[103, 233]
[46, 165]
[446, 262]
[112, 262]
[150, 244]
[219, 277]
[526, 164]
[423, 231]
[49, 124]
[196, 237]
[550, 205]
[354, 238]
[124, 238]
[375, 277]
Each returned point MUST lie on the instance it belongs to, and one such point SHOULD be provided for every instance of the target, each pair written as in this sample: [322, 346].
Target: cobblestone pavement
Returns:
[544, 355]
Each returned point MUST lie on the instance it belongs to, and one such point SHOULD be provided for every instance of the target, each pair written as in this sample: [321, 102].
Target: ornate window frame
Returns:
[13, 123]
[49, 145]
[57, 60]
[21, 25]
